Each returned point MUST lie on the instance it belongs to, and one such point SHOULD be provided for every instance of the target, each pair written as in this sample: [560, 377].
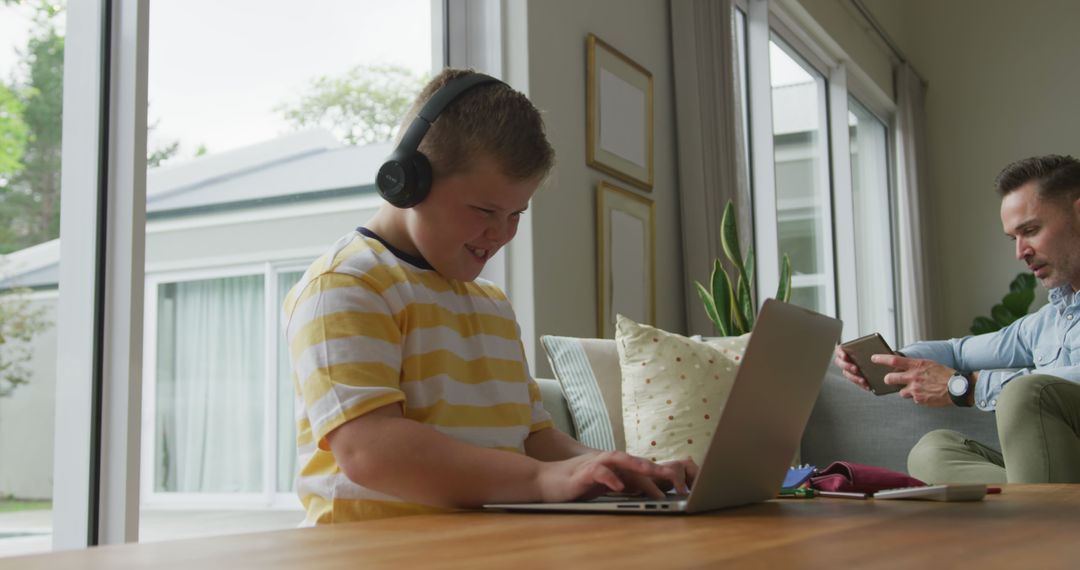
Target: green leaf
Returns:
[1002, 315]
[750, 265]
[745, 303]
[738, 320]
[783, 291]
[710, 308]
[983, 325]
[721, 294]
[1022, 281]
[1018, 302]
[729, 237]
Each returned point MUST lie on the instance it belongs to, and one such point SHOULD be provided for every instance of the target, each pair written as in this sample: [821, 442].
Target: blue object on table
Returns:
[797, 476]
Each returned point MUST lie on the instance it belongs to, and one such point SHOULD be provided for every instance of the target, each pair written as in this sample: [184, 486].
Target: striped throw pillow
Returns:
[588, 370]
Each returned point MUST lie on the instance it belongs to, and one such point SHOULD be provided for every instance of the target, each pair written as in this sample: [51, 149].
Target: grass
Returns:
[8, 505]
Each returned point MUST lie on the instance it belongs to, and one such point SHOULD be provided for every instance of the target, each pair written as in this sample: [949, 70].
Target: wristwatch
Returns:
[959, 385]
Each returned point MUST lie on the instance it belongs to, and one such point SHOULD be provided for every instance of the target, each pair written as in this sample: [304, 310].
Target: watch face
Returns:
[958, 385]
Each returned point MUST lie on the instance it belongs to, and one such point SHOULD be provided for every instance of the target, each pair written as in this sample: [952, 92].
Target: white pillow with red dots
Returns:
[673, 389]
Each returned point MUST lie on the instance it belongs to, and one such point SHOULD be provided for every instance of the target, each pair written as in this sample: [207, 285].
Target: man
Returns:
[1029, 372]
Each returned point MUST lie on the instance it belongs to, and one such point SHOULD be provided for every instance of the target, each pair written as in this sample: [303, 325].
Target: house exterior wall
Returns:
[27, 418]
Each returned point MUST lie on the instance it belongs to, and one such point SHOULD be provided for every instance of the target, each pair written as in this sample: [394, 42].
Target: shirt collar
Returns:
[1063, 297]
[414, 260]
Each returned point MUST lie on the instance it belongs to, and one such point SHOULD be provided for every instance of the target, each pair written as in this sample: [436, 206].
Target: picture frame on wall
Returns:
[619, 115]
[626, 257]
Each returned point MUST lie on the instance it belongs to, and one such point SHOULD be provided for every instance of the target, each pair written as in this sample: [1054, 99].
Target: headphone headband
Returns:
[405, 177]
[435, 105]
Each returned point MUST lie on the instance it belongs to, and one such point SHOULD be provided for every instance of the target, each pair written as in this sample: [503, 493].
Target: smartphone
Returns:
[860, 350]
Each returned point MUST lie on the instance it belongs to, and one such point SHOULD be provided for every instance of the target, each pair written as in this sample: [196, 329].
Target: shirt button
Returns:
[1069, 316]
[993, 403]
[982, 403]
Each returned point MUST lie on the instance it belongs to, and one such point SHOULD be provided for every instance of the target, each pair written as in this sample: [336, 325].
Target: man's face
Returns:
[1047, 234]
[467, 217]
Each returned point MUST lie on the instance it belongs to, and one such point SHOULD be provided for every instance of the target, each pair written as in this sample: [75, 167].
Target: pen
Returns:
[842, 495]
[799, 493]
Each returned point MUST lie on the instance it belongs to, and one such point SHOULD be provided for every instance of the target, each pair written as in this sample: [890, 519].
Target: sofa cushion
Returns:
[851, 424]
[674, 389]
[555, 403]
[588, 370]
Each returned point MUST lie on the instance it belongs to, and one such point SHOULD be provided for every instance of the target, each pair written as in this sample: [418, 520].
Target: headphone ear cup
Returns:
[404, 180]
[422, 178]
[396, 179]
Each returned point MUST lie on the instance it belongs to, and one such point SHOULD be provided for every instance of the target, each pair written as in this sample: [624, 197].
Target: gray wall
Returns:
[564, 210]
[1003, 85]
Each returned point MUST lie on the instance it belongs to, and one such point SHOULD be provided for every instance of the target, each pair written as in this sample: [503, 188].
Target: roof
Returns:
[304, 166]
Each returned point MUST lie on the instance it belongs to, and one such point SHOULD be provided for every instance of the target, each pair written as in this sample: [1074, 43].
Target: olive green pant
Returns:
[1038, 421]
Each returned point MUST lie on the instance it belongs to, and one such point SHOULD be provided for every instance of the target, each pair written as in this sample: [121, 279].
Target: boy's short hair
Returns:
[492, 118]
[1057, 176]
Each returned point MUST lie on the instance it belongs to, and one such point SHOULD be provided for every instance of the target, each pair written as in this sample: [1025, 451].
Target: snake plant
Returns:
[731, 307]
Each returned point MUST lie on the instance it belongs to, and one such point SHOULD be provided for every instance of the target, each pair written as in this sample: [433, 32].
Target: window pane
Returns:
[31, 99]
[210, 386]
[264, 140]
[873, 230]
[803, 201]
[286, 423]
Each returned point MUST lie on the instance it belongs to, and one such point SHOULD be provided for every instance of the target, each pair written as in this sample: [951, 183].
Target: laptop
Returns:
[760, 427]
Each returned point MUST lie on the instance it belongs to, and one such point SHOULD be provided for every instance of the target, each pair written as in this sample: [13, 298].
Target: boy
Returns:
[410, 371]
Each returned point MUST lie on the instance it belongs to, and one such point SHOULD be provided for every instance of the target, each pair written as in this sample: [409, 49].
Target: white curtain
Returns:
[210, 386]
[915, 310]
[286, 420]
[709, 128]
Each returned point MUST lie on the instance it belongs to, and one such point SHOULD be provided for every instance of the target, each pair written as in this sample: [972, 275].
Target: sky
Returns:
[218, 68]
[13, 33]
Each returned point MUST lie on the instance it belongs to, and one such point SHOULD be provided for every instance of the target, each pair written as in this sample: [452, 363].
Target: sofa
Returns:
[847, 424]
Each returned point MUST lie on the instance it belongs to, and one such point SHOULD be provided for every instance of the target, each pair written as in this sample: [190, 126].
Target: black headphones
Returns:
[404, 179]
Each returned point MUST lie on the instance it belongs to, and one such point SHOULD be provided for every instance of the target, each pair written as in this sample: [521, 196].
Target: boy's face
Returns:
[467, 217]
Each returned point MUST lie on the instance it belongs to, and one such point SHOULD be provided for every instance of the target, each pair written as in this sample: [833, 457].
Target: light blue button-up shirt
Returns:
[1044, 342]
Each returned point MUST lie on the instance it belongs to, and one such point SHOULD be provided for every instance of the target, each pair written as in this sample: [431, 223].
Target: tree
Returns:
[30, 202]
[159, 155]
[20, 320]
[361, 107]
[30, 188]
[13, 135]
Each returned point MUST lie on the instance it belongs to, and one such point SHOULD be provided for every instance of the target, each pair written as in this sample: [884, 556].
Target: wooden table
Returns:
[1027, 526]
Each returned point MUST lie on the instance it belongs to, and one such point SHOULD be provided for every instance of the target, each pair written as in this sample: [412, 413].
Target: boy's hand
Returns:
[689, 471]
[592, 475]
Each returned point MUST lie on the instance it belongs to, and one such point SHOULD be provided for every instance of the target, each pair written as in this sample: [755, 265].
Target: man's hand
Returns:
[592, 475]
[850, 371]
[925, 382]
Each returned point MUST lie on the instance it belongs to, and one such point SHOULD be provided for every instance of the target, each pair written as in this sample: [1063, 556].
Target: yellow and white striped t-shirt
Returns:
[368, 326]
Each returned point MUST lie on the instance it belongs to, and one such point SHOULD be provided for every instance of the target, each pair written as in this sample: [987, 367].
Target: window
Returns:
[801, 166]
[220, 380]
[873, 221]
[264, 142]
[822, 186]
[31, 101]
